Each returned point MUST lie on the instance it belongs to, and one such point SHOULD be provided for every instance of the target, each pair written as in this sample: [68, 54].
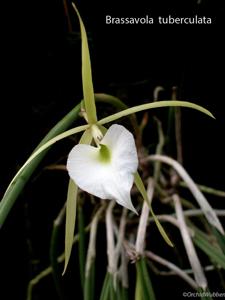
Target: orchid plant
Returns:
[103, 164]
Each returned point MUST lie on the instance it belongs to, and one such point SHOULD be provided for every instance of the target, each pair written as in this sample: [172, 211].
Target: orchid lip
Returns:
[104, 154]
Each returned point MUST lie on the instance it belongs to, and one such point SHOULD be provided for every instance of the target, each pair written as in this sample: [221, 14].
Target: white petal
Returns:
[107, 180]
[124, 154]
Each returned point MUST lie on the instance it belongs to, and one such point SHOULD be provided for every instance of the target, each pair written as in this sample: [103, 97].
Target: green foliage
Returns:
[144, 288]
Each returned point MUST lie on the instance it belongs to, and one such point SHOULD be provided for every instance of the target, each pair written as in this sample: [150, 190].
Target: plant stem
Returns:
[110, 239]
[200, 198]
[90, 259]
[190, 249]
[142, 227]
[176, 270]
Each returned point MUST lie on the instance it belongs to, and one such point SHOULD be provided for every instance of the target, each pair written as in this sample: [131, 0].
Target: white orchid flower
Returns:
[106, 171]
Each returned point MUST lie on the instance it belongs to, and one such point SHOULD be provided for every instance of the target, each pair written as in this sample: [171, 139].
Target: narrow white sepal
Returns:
[110, 179]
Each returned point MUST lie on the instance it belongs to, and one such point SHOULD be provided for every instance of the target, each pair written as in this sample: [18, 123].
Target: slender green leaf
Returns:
[220, 238]
[112, 100]
[89, 284]
[44, 147]
[161, 229]
[146, 280]
[112, 292]
[88, 90]
[117, 103]
[140, 185]
[105, 288]
[71, 205]
[207, 247]
[124, 293]
[23, 176]
[138, 287]
[118, 292]
[144, 289]
[86, 137]
[152, 105]
[108, 292]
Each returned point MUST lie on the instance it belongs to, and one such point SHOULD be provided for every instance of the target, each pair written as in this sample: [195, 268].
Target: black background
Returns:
[41, 81]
